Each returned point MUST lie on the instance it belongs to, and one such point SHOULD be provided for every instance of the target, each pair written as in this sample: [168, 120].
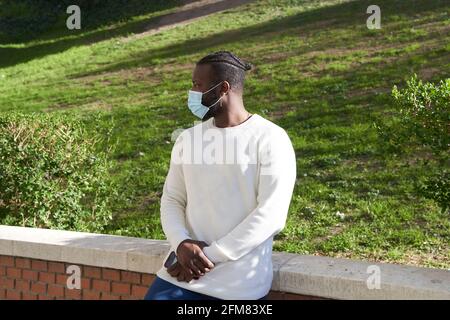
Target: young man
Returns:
[227, 192]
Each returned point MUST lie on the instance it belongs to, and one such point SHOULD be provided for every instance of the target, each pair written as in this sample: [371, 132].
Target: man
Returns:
[227, 192]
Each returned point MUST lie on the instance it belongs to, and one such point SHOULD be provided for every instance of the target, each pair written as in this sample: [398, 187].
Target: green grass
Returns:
[320, 74]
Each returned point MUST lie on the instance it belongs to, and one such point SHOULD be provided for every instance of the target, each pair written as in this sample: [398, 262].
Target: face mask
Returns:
[195, 102]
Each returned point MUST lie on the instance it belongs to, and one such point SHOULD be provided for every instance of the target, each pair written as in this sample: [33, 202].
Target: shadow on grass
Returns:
[349, 14]
[11, 55]
[344, 111]
[30, 20]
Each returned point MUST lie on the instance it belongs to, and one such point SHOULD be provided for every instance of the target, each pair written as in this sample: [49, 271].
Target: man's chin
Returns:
[207, 116]
[211, 113]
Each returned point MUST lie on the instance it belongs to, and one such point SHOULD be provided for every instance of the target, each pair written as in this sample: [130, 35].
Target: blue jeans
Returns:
[163, 290]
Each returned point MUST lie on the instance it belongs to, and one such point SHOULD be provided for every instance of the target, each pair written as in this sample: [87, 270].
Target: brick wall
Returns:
[33, 279]
[33, 262]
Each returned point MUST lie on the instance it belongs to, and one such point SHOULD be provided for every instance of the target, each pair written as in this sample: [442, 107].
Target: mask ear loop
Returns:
[220, 98]
[213, 87]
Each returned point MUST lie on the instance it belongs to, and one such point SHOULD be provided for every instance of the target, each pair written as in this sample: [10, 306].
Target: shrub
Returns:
[52, 174]
[423, 120]
[424, 112]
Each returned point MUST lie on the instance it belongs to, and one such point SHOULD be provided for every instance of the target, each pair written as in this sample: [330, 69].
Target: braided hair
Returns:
[227, 67]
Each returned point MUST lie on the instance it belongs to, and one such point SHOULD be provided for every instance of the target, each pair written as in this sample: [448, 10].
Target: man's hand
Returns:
[191, 257]
[176, 270]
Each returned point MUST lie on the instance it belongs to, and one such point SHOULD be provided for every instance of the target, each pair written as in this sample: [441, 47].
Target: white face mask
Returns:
[195, 102]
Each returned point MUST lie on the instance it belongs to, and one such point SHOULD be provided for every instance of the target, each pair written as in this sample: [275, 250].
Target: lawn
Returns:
[318, 72]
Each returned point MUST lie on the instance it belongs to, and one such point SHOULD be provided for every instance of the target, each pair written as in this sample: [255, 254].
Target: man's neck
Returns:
[231, 117]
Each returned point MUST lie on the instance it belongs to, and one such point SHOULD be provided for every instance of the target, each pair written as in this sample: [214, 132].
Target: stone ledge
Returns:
[299, 274]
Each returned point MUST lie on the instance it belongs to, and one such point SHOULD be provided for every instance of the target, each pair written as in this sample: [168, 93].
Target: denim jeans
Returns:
[163, 290]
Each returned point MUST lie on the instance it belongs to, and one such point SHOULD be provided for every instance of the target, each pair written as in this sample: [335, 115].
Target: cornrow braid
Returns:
[227, 66]
[225, 57]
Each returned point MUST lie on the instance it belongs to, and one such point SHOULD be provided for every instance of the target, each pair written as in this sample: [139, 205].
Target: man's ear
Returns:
[226, 87]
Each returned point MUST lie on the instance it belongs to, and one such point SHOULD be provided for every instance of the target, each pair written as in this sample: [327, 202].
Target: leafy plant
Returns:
[423, 121]
[51, 173]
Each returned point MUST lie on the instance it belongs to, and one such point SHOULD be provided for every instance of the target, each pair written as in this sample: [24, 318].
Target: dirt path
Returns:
[191, 10]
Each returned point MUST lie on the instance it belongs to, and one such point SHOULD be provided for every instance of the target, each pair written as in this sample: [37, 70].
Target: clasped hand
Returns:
[191, 263]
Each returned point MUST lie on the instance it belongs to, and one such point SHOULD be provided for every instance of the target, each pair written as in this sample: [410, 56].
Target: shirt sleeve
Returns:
[277, 176]
[173, 199]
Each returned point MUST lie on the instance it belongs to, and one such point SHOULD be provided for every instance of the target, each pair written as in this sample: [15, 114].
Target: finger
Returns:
[189, 271]
[186, 265]
[194, 268]
[205, 260]
[181, 276]
[200, 266]
[188, 278]
[175, 272]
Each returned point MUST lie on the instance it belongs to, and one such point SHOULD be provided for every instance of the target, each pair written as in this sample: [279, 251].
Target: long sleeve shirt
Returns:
[230, 187]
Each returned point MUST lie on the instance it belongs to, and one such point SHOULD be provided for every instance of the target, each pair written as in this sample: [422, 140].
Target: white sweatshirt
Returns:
[230, 187]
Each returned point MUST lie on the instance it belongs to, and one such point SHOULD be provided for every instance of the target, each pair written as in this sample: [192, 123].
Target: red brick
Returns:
[39, 265]
[29, 296]
[56, 267]
[120, 288]
[55, 290]
[2, 294]
[288, 296]
[12, 295]
[129, 298]
[101, 285]
[291, 296]
[61, 279]
[72, 294]
[2, 271]
[7, 261]
[275, 295]
[23, 285]
[92, 272]
[138, 291]
[38, 287]
[6, 283]
[130, 277]
[30, 275]
[91, 295]
[111, 274]
[23, 263]
[147, 279]
[85, 284]
[107, 296]
[47, 277]
[45, 297]
[14, 273]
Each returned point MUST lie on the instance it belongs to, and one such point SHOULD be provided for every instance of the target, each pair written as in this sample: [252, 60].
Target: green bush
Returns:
[52, 174]
[423, 121]
[424, 110]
